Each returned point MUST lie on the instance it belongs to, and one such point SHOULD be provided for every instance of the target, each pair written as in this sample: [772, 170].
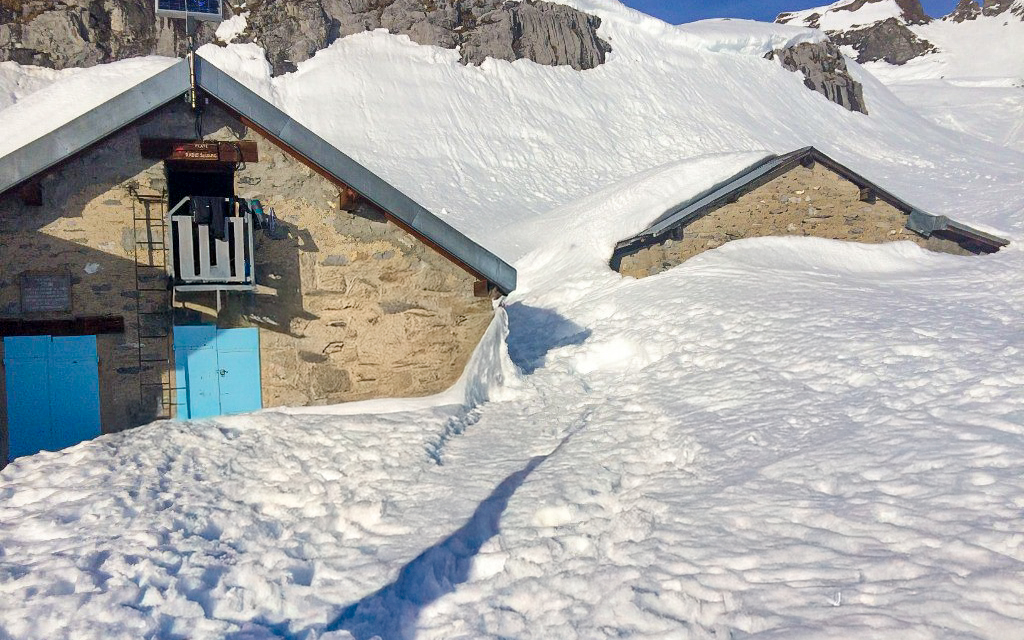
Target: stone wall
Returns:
[84, 229]
[803, 202]
[349, 305]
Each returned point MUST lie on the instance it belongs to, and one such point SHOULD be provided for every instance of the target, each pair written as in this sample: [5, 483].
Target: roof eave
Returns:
[93, 126]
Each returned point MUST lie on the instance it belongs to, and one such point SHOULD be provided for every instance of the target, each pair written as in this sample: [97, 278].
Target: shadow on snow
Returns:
[392, 612]
[533, 332]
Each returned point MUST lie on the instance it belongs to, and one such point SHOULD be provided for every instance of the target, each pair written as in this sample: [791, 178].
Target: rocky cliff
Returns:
[824, 70]
[888, 40]
[878, 33]
[77, 33]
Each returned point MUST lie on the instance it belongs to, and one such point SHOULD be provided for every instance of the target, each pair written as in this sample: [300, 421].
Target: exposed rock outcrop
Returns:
[965, 10]
[74, 33]
[970, 9]
[825, 71]
[873, 39]
[889, 40]
[911, 11]
[289, 32]
[81, 33]
[544, 32]
[999, 7]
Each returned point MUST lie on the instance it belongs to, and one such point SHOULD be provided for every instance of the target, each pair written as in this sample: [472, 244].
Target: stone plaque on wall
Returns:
[45, 292]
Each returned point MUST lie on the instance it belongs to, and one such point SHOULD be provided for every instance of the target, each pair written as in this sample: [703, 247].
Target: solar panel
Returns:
[209, 10]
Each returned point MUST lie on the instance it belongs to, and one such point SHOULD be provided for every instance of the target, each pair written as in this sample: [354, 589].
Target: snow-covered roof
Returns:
[771, 167]
[79, 133]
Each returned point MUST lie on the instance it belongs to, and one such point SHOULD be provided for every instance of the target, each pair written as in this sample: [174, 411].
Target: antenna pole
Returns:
[190, 35]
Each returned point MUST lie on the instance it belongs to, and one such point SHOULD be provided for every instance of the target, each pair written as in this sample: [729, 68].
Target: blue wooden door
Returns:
[53, 392]
[195, 368]
[238, 366]
[217, 371]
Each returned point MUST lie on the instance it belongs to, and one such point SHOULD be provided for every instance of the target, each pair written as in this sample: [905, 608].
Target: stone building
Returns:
[118, 306]
[804, 193]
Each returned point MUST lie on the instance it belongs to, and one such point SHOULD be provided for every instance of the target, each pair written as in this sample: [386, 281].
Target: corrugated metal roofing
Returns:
[171, 83]
[769, 168]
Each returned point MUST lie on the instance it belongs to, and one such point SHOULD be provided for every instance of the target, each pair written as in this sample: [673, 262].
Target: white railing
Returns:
[202, 263]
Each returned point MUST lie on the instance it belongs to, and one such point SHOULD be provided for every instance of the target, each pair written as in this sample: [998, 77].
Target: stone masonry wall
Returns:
[349, 305]
[803, 202]
[85, 229]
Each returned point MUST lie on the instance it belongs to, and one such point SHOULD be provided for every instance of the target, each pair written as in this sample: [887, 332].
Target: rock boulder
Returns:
[889, 40]
[824, 69]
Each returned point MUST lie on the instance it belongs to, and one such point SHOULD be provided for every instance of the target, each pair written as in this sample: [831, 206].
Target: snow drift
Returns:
[783, 437]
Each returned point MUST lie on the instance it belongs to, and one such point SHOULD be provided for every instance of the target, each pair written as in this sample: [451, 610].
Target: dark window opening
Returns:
[219, 180]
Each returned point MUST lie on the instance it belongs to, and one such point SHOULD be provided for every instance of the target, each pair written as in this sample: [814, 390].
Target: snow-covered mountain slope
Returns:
[783, 437]
[967, 75]
[974, 82]
[845, 15]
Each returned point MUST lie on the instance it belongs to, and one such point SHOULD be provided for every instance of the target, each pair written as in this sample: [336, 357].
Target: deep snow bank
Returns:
[783, 437]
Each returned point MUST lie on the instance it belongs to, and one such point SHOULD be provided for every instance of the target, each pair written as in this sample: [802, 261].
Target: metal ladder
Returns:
[153, 306]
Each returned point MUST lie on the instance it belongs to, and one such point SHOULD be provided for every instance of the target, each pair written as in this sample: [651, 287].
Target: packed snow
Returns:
[780, 438]
[233, 27]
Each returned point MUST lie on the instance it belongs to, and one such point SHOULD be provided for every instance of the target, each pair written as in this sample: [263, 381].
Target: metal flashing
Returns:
[94, 125]
[925, 223]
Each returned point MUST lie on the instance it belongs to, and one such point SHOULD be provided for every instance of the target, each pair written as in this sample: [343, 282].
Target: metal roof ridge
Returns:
[407, 212]
[919, 220]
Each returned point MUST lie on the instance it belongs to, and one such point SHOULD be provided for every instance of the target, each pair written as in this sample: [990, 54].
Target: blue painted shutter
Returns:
[238, 359]
[26, 363]
[53, 392]
[74, 390]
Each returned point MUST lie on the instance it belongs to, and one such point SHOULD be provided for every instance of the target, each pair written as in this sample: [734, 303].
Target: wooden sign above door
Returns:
[204, 151]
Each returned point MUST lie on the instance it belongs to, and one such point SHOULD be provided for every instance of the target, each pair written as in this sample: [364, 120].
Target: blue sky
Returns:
[676, 11]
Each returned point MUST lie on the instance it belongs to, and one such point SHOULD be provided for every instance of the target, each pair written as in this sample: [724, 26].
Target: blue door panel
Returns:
[74, 390]
[195, 337]
[239, 382]
[195, 366]
[28, 396]
[217, 370]
[238, 356]
[53, 393]
[201, 383]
